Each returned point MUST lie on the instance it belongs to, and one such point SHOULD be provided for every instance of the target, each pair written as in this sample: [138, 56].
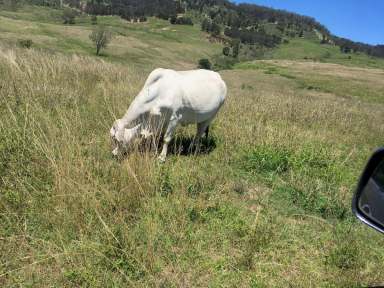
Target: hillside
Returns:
[151, 44]
[311, 50]
[265, 204]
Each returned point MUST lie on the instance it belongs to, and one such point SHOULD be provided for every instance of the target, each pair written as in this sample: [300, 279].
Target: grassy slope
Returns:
[309, 49]
[156, 43]
[268, 207]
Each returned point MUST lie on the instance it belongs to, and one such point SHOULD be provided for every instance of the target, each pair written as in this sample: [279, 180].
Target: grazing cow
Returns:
[168, 98]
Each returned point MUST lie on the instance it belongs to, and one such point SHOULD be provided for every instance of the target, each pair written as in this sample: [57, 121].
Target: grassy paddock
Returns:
[268, 206]
[310, 50]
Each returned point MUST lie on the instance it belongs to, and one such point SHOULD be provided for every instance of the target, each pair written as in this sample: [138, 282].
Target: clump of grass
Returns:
[313, 201]
[165, 184]
[195, 189]
[267, 159]
[240, 187]
[25, 43]
[345, 254]
[314, 166]
[259, 237]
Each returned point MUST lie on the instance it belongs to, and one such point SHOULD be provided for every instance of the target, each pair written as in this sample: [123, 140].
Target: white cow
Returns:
[168, 98]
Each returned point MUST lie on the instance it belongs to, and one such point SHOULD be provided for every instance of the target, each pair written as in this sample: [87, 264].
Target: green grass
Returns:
[306, 49]
[338, 83]
[151, 44]
[268, 206]
[307, 179]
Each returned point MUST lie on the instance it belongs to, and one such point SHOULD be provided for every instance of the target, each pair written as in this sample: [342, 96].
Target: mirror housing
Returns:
[368, 201]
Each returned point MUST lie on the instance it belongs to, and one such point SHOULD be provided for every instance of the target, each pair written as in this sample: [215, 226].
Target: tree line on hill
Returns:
[348, 46]
[244, 22]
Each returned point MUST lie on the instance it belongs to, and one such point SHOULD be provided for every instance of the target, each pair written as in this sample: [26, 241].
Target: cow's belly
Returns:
[188, 116]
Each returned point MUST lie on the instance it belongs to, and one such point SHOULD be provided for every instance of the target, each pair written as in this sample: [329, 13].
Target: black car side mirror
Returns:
[368, 202]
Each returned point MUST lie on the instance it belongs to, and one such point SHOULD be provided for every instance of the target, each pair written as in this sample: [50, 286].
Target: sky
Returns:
[358, 20]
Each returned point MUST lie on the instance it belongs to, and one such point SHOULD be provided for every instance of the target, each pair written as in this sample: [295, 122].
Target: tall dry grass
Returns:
[269, 205]
[59, 182]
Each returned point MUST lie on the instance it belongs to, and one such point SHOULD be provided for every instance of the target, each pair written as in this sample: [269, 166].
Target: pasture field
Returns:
[266, 203]
[145, 45]
[309, 49]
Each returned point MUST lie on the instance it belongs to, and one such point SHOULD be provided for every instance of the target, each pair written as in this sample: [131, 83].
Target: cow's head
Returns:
[122, 138]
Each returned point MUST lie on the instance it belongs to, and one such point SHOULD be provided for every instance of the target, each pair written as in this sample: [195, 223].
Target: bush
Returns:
[69, 16]
[163, 16]
[223, 62]
[205, 64]
[12, 4]
[206, 25]
[142, 19]
[25, 43]
[94, 19]
[180, 20]
[172, 20]
[215, 29]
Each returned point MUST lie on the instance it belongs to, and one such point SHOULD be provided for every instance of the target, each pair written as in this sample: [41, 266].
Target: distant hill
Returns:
[249, 23]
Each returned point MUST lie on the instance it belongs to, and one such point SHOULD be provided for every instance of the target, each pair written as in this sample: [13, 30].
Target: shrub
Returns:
[172, 20]
[163, 16]
[69, 16]
[215, 29]
[205, 64]
[206, 25]
[25, 43]
[181, 20]
[94, 19]
[142, 19]
[224, 63]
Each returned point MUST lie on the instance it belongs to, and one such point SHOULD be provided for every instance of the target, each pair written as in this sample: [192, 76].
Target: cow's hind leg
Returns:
[202, 128]
[168, 137]
[207, 132]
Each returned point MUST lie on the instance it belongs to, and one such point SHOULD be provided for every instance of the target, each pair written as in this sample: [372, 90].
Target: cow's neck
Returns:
[134, 115]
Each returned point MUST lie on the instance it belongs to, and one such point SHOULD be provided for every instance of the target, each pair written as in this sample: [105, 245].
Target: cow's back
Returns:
[203, 93]
[194, 95]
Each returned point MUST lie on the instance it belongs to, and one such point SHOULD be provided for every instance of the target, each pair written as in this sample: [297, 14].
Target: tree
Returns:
[215, 29]
[226, 51]
[12, 4]
[205, 64]
[101, 38]
[235, 48]
[206, 24]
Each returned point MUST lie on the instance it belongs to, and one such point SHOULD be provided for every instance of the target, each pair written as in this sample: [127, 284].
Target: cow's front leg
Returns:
[168, 137]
